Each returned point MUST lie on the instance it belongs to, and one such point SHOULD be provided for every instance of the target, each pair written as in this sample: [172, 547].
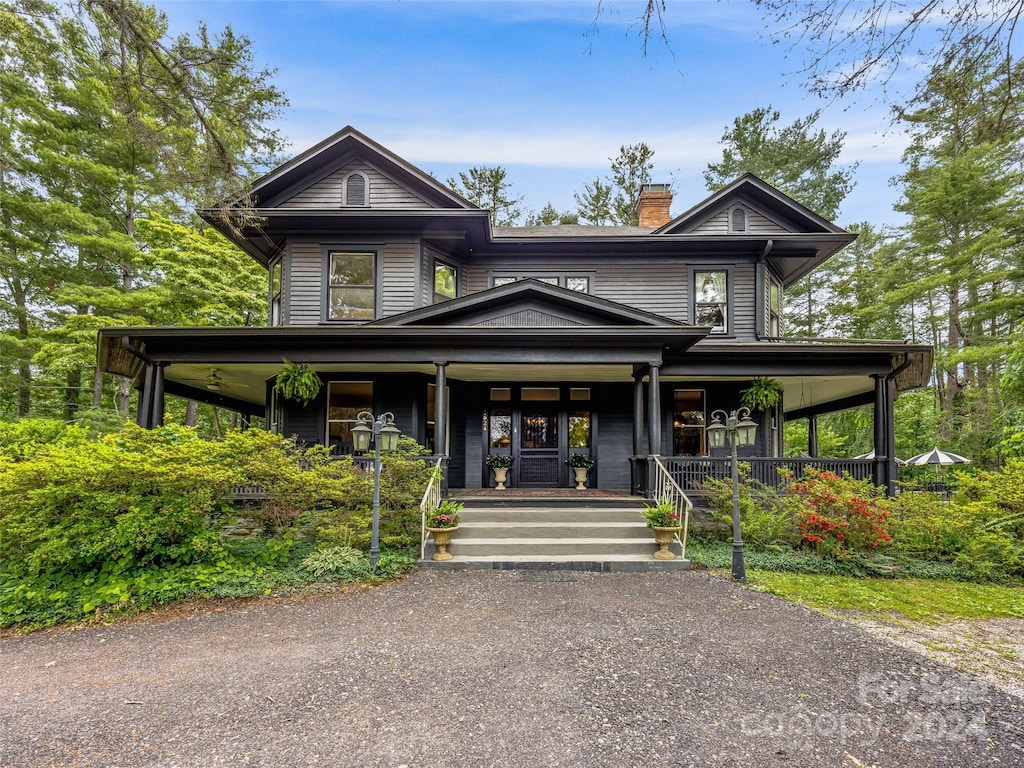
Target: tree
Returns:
[594, 204]
[850, 45]
[107, 120]
[486, 186]
[549, 215]
[614, 201]
[799, 159]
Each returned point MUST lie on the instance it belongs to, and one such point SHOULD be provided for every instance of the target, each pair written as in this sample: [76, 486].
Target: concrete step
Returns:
[520, 529]
[545, 514]
[550, 502]
[590, 547]
[605, 563]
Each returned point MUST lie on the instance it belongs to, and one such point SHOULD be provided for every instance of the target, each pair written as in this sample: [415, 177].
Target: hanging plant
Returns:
[296, 382]
[762, 394]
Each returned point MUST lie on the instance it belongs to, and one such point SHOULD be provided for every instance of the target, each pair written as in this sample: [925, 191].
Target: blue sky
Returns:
[532, 86]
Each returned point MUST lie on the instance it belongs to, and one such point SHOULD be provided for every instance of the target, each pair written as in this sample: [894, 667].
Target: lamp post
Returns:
[385, 435]
[741, 431]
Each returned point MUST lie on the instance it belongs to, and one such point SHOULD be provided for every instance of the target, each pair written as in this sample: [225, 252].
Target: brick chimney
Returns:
[653, 207]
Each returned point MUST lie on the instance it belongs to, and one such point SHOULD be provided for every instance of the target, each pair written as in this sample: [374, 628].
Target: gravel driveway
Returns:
[497, 668]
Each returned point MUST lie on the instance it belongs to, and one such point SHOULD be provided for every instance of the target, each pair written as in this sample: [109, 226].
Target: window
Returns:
[738, 219]
[275, 317]
[446, 280]
[774, 308]
[711, 305]
[688, 423]
[578, 283]
[355, 190]
[543, 394]
[351, 289]
[579, 429]
[499, 428]
[345, 399]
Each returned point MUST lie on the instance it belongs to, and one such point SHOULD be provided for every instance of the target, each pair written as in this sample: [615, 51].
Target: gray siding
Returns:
[305, 284]
[326, 193]
[758, 223]
[745, 301]
[398, 281]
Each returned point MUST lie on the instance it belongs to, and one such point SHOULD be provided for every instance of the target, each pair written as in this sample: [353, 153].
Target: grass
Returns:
[927, 600]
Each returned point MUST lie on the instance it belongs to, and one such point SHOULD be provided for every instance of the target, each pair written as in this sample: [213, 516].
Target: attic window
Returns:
[355, 190]
[738, 219]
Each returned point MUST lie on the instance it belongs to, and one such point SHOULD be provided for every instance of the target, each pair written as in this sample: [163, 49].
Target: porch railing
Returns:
[431, 500]
[691, 472]
[667, 489]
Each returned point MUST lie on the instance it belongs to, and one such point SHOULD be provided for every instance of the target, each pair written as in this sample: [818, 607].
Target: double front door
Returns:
[539, 435]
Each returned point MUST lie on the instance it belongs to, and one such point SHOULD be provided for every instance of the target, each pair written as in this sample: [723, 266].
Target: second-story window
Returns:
[711, 300]
[446, 281]
[275, 317]
[350, 294]
[774, 308]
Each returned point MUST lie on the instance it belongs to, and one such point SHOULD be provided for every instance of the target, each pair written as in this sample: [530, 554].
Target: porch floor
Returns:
[552, 529]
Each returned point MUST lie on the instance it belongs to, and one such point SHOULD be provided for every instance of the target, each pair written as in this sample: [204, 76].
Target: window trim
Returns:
[366, 191]
[730, 298]
[435, 262]
[276, 263]
[326, 249]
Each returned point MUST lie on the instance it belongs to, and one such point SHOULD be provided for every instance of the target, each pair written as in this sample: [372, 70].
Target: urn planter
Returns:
[663, 538]
[500, 474]
[580, 474]
[442, 538]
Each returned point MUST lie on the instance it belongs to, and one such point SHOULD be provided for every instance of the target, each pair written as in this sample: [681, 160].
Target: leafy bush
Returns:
[332, 561]
[838, 515]
[766, 517]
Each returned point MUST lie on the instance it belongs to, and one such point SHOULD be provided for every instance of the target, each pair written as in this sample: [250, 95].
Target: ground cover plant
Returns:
[92, 526]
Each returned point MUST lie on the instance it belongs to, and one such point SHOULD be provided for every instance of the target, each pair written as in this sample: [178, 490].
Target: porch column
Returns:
[879, 476]
[812, 436]
[654, 410]
[144, 411]
[440, 410]
[890, 434]
[158, 395]
[638, 415]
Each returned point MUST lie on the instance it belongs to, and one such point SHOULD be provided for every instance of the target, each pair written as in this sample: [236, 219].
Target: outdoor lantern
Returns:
[746, 432]
[716, 433]
[361, 434]
[389, 435]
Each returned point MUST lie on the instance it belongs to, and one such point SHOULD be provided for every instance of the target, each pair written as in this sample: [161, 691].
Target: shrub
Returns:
[766, 517]
[332, 561]
[839, 516]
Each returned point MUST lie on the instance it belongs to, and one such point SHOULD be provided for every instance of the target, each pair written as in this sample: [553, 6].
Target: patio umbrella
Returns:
[937, 457]
[871, 454]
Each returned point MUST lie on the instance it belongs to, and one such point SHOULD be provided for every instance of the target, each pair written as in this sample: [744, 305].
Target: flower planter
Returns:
[442, 538]
[663, 538]
[500, 473]
[580, 474]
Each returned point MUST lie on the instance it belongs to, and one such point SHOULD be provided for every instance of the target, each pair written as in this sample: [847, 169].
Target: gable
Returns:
[528, 304]
[309, 178]
[758, 223]
[328, 192]
[770, 212]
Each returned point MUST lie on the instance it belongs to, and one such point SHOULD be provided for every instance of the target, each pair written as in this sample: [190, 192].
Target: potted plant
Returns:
[499, 464]
[442, 521]
[581, 464]
[297, 382]
[666, 523]
[762, 394]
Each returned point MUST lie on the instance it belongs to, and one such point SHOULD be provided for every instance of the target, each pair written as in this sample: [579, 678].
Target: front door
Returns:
[539, 459]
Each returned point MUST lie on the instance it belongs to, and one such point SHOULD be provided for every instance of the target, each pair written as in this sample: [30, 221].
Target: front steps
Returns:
[586, 533]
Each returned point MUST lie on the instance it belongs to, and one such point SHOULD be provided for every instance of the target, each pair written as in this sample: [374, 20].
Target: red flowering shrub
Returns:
[838, 515]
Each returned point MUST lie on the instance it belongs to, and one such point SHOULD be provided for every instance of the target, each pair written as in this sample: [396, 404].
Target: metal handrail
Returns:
[667, 489]
[431, 500]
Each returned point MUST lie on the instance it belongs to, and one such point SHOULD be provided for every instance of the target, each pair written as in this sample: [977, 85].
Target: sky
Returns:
[540, 89]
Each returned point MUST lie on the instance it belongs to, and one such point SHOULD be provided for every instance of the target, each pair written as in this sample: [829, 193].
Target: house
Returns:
[536, 342]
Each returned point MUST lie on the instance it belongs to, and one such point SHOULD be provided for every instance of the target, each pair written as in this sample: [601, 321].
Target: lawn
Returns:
[925, 600]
